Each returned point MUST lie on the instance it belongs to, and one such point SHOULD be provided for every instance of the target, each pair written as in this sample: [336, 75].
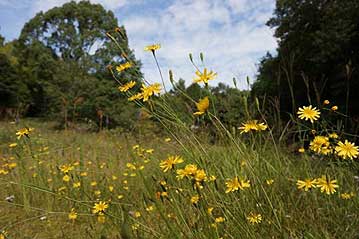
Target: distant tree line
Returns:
[317, 57]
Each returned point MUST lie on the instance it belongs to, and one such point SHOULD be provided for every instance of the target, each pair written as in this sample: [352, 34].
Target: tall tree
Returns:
[318, 54]
[65, 51]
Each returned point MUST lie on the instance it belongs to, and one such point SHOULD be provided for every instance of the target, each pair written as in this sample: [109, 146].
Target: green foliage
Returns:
[318, 50]
[63, 57]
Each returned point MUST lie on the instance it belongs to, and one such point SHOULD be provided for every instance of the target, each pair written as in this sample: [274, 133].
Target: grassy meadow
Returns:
[55, 181]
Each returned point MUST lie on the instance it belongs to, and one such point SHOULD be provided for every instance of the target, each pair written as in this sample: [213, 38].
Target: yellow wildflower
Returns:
[23, 132]
[254, 218]
[205, 76]
[99, 207]
[235, 184]
[148, 91]
[326, 102]
[219, 219]
[137, 96]
[306, 184]
[334, 108]
[170, 162]
[124, 66]
[127, 86]
[326, 185]
[195, 199]
[252, 125]
[308, 113]
[12, 145]
[320, 144]
[347, 150]
[66, 178]
[202, 106]
[153, 47]
[66, 168]
[269, 181]
[72, 215]
[347, 196]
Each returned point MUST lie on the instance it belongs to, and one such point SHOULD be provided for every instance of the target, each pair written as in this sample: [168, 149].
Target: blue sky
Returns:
[231, 33]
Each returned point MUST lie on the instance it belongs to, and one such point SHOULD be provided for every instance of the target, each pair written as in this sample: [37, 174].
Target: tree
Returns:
[65, 53]
[318, 54]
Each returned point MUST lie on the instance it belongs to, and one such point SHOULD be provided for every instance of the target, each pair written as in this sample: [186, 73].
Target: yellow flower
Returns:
[320, 144]
[66, 168]
[99, 207]
[124, 66]
[301, 150]
[333, 135]
[254, 218]
[306, 184]
[149, 208]
[23, 132]
[153, 47]
[72, 215]
[188, 171]
[148, 91]
[347, 196]
[3, 234]
[170, 162]
[202, 106]
[347, 150]
[66, 178]
[205, 76]
[210, 210]
[326, 102]
[76, 184]
[252, 125]
[308, 113]
[269, 181]
[219, 219]
[137, 96]
[93, 184]
[195, 199]
[326, 185]
[200, 175]
[235, 184]
[12, 145]
[334, 108]
[167, 139]
[127, 86]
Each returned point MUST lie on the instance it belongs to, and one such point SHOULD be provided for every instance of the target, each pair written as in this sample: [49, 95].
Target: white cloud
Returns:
[232, 35]
[44, 5]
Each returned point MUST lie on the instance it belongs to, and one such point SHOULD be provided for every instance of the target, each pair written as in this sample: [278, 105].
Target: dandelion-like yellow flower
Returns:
[202, 106]
[124, 66]
[66, 168]
[347, 150]
[334, 108]
[320, 144]
[301, 150]
[269, 181]
[347, 196]
[200, 175]
[188, 171]
[127, 86]
[148, 91]
[137, 96]
[205, 76]
[24, 132]
[235, 184]
[195, 199]
[254, 218]
[308, 113]
[326, 102]
[326, 185]
[169, 163]
[72, 215]
[219, 219]
[66, 178]
[99, 207]
[333, 135]
[252, 125]
[153, 47]
[306, 184]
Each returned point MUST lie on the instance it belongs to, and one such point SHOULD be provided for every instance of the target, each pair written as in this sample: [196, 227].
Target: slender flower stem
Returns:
[159, 69]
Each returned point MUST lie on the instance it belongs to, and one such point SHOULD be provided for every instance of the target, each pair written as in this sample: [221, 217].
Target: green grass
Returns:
[287, 212]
